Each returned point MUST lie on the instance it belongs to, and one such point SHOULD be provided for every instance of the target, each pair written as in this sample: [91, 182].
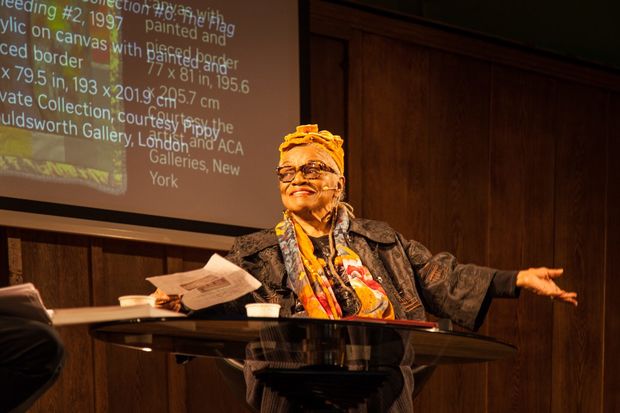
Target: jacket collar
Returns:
[252, 243]
[376, 231]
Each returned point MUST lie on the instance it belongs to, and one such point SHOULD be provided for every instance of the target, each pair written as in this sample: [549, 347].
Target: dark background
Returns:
[584, 30]
[501, 155]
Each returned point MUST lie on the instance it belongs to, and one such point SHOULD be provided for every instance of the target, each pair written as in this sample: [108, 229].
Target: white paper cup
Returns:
[262, 310]
[130, 300]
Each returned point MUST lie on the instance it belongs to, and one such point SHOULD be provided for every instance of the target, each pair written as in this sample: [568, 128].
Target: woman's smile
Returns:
[302, 191]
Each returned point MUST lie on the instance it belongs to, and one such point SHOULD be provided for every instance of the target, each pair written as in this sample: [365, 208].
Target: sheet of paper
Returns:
[23, 300]
[217, 282]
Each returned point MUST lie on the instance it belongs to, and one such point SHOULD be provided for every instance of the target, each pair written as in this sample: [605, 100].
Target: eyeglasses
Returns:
[310, 170]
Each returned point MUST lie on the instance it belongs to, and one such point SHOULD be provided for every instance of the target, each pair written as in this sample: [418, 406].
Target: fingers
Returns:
[547, 272]
[554, 272]
[568, 300]
[566, 297]
[159, 294]
[173, 304]
[163, 300]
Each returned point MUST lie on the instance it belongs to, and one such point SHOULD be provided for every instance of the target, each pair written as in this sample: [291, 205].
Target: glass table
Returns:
[316, 364]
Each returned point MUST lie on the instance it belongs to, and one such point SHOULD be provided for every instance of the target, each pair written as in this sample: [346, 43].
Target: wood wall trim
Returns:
[338, 21]
[355, 120]
[100, 370]
[14, 252]
[114, 230]
[611, 319]
[579, 247]
[4, 258]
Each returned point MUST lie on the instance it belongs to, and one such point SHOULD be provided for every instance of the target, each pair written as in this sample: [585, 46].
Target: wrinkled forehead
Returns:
[301, 154]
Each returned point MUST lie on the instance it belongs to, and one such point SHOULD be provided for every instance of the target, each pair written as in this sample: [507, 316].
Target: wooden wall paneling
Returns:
[328, 91]
[126, 264]
[395, 134]
[459, 155]
[14, 256]
[134, 381]
[100, 349]
[4, 258]
[611, 377]
[342, 18]
[579, 248]
[355, 127]
[58, 265]
[521, 233]
[458, 200]
[193, 258]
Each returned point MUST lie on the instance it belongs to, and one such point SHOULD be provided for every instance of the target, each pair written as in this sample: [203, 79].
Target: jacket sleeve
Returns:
[460, 292]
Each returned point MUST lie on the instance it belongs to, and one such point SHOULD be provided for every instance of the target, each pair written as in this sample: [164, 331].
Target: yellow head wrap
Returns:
[305, 134]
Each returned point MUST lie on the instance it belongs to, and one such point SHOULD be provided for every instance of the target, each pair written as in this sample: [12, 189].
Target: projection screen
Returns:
[126, 114]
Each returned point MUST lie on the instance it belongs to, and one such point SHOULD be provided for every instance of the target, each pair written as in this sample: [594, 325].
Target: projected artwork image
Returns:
[45, 117]
[159, 108]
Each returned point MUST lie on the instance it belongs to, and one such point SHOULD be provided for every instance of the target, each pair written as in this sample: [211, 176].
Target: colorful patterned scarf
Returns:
[308, 275]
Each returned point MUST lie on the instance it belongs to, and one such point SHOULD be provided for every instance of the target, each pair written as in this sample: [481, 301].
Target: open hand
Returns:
[540, 281]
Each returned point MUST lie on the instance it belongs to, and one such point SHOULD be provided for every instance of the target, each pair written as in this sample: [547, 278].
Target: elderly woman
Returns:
[320, 261]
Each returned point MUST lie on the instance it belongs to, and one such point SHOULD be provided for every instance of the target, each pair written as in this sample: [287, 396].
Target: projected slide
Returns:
[170, 109]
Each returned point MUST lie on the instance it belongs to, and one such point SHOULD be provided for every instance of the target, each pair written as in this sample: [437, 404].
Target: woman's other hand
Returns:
[169, 302]
[540, 281]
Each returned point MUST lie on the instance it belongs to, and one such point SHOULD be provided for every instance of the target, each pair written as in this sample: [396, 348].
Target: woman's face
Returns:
[305, 195]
